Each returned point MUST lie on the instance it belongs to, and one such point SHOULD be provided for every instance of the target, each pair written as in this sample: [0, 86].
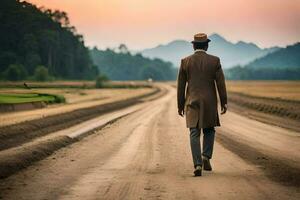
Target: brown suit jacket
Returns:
[201, 73]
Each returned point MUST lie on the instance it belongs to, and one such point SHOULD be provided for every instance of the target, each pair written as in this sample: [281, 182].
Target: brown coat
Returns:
[201, 73]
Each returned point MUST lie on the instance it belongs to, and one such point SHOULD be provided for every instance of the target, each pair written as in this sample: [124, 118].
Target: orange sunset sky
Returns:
[147, 23]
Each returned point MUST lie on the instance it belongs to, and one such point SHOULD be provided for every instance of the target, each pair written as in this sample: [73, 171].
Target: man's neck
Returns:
[200, 50]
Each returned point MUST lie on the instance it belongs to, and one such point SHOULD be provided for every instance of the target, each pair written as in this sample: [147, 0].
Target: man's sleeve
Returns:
[220, 80]
[181, 83]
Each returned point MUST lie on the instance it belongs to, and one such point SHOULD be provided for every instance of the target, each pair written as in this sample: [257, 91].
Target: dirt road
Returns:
[146, 155]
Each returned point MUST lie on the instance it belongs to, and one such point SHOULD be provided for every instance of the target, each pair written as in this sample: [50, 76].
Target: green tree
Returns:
[100, 80]
[15, 72]
[152, 73]
[7, 58]
[123, 49]
[41, 73]
[125, 66]
[28, 49]
[32, 60]
[35, 36]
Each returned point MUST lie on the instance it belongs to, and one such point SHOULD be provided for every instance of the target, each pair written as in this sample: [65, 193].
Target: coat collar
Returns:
[200, 51]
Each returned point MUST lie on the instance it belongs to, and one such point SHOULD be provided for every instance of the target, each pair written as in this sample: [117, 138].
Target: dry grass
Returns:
[279, 98]
[288, 90]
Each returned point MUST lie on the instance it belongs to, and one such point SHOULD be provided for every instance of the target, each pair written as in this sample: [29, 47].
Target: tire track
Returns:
[281, 171]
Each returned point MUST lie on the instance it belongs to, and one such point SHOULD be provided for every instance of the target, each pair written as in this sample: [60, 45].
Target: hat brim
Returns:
[207, 41]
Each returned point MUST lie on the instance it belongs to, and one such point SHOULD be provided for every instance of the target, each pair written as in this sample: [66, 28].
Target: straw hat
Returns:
[200, 38]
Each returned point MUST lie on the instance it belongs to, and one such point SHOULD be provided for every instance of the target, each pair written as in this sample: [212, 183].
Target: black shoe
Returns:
[198, 171]
[206, 164]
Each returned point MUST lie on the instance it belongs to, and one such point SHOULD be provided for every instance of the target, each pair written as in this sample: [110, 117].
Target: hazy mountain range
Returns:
[283, 64]
[284, 58]
[231, 54]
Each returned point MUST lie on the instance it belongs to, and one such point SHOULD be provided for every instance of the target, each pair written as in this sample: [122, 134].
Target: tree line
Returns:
[39, 42]
[122, 65]
[248, 73]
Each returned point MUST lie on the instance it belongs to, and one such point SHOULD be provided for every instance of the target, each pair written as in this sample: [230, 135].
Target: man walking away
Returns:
[201, 73]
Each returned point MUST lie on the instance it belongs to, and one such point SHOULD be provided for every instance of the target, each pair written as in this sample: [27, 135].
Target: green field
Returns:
[30, 97]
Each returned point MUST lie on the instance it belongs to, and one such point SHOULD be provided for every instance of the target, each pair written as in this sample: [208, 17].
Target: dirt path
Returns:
[146, 155]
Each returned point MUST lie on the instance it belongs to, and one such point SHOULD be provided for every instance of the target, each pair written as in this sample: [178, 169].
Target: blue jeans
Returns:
[208, 144]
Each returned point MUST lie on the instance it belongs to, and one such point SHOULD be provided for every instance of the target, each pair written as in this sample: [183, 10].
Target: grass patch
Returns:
[30, 97]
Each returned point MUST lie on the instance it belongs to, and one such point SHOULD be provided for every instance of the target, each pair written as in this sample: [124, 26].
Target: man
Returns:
[201, 73]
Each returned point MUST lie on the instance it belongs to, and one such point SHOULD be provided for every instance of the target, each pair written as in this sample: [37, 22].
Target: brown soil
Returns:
[279, 112]
[281, 170]
[14, 135]
[279, 107]
[21, 106]
[13, 161]
[146, 155]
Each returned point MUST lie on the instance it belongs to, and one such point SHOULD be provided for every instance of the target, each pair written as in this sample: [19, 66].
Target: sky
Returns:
[147, 23]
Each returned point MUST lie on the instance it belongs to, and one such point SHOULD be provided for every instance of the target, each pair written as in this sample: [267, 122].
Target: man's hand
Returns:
[181, 112]
[224, 109]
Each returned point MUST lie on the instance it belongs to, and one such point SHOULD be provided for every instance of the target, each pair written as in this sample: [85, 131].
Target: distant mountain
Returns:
[288, 57]
[172, 52]
[283, 64]
[231, 54]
